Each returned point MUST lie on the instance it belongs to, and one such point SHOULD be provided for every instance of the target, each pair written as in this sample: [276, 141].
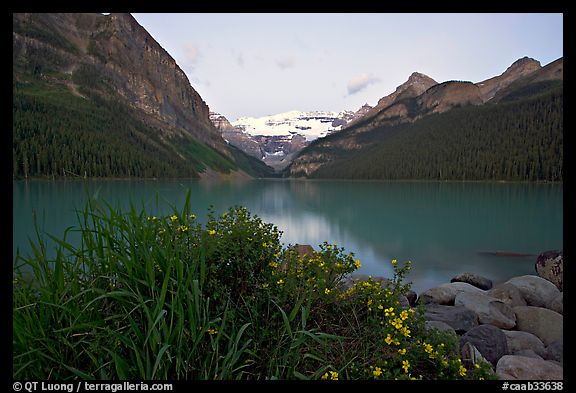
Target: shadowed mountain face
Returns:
[113, 58]
[506, 128]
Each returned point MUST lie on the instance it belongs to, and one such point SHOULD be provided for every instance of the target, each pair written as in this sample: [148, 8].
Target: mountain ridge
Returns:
[112, 57]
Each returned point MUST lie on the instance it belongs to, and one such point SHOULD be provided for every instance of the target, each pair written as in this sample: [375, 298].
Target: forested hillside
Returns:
[96, 96]
[520, 139]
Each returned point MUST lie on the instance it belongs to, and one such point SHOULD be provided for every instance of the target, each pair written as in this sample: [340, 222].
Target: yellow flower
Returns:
[173, 218]
[369, 302]
[377, 371]
[404, 315]
[476, 365]
[462, 371]
[405, 365]
[333, 375]
[273, 265]
[192, 216]
[394, 261]
[326, 291]
[402, 351]
[211, 232]
[265, 285]
[264, 244]
[280, 282]
[212, 331]
[428, 348]
[357, 264]
[325, 376]
[389, 311]
[388, 339]
[397, 323]
[405, 331]
[182, 228]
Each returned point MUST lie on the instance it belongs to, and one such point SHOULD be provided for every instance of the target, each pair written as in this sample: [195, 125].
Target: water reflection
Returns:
[440, 227]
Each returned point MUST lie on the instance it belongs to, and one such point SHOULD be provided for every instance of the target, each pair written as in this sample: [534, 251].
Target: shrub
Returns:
[145, 297]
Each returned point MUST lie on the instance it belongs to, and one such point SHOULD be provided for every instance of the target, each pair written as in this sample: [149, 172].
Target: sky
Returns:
[253, 65]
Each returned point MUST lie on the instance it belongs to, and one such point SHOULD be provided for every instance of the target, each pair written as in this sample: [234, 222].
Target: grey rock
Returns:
[550, 266]
[411, 296]
[528, 353]
[557, 304]
[545, 324]
[458, 317]
[555, 351]
[521, 341]
[473, 279]
[509, 294]
[446, 293]
[489, 340]
[442, 326]
[470, 356]
[489, 310]
[513, 367]
[535, 290]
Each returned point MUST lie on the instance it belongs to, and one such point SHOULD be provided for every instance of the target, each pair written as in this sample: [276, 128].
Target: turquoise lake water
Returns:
[444, 228]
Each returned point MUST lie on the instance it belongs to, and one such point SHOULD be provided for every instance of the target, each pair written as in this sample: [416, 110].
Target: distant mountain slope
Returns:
[102, 90]
[448, 133]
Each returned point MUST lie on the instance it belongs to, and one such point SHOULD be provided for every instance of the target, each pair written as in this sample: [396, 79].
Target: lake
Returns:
[444, 228]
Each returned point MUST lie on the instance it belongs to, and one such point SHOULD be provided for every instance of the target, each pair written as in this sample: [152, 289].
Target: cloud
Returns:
[285, 62]
[191, 55]
[240, 60]
[360, 82]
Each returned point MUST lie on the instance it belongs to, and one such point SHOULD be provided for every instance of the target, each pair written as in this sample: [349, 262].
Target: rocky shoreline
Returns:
[515, 326]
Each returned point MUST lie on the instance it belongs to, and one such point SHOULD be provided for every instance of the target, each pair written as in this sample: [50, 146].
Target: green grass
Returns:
[144, 297]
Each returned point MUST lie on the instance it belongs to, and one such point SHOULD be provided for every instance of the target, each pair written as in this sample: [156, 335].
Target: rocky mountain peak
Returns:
[520, 68]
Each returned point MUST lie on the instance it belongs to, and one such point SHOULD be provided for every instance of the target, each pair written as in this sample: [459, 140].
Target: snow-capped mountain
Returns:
[277, 139]
[311, 125]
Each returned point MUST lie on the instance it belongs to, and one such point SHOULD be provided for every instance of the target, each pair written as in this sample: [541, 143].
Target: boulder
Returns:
[514, 367]
[557, 304]
[473, 279]
[509, 294]
[489, 310]
[446, 293]
[550, 266]
[529, 354]
[521, 341]
[458, 317]
[489, 340]
[555, 351]
[535, 290]
[545, 324]
[470, 356]
[442, 326]
[411, 296]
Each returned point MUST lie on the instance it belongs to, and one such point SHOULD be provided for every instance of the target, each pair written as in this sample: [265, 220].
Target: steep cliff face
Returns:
[447, 95]
[113, 54]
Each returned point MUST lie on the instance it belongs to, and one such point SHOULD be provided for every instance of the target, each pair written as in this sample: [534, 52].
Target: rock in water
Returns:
[527, 368]
[550, 266]
[489, 340]
[473, 279]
